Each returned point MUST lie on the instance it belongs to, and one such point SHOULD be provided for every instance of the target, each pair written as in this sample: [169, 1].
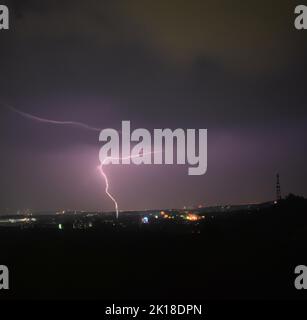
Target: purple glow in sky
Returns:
[159, 66]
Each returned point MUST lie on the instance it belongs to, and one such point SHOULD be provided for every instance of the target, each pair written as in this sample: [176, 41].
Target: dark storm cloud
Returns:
[241, 34]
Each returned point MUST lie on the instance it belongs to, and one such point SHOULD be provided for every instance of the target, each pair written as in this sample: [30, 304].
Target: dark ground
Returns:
[239, 255]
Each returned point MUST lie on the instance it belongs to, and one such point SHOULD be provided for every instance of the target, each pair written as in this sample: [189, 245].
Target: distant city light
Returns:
[192, 217]
[145, 220]
[26, 220]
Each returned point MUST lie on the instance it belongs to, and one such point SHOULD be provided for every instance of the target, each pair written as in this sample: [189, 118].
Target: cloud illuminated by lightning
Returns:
[83, 126]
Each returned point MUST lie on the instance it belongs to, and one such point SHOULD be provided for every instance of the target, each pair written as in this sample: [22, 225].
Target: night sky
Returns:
[236, 68]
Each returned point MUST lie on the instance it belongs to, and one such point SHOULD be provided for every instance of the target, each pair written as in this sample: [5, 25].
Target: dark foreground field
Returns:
[241, 255]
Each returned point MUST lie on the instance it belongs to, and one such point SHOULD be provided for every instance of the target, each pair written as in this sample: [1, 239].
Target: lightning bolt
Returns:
[100, 168]
[55, 122]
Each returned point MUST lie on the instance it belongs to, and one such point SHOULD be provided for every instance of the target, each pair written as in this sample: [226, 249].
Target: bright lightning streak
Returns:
[44, 120]
[107, 189]
[107, 180]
